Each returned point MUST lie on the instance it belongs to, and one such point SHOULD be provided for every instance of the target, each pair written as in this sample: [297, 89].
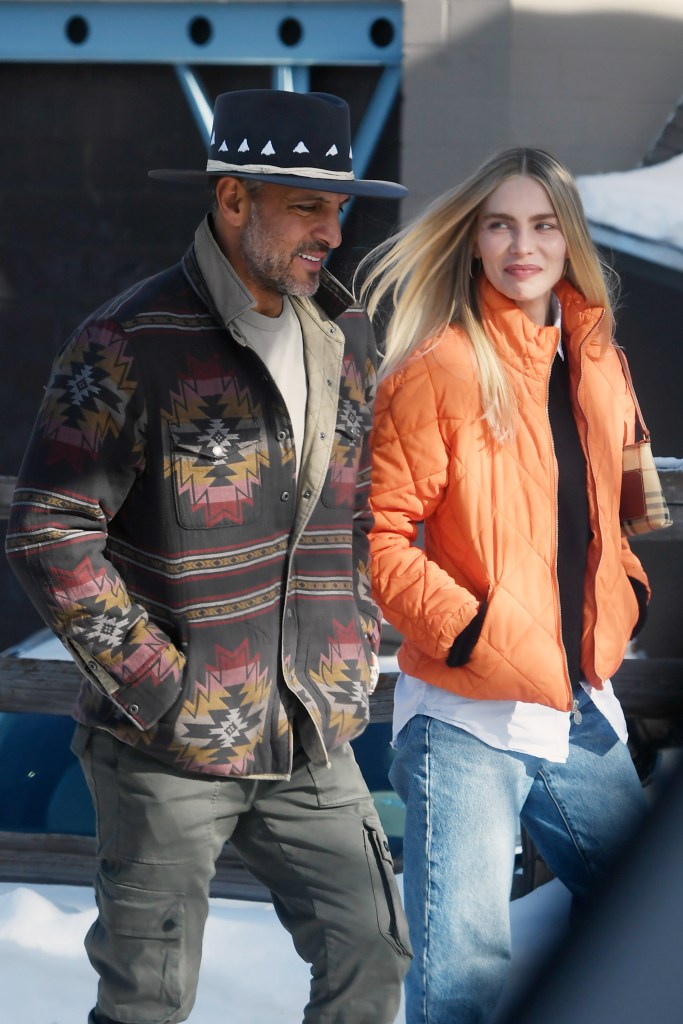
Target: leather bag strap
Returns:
[629, 381]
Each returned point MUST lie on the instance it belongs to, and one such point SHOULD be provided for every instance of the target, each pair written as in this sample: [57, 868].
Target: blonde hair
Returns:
[426, 272]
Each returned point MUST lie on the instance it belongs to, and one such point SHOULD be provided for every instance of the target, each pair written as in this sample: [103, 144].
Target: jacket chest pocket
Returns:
[339, 490]
[216, 474]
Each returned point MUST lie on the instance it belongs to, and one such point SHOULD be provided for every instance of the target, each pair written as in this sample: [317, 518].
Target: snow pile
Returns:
[32, 921]
[250, 972]
[669, 463]
[646, 202]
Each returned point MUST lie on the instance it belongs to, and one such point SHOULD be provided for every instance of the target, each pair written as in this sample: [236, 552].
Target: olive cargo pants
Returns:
[315, 841]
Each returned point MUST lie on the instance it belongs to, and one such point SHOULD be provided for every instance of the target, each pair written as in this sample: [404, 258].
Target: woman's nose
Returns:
[522, 241]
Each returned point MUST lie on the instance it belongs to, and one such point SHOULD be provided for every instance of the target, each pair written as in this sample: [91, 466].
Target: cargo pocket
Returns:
[136, 946]
[390, 917]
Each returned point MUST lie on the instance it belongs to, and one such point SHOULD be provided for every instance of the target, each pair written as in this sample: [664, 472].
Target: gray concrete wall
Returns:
[593, 83]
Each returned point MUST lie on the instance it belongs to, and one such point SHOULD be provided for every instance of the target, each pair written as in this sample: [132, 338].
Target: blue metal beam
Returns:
[372, 125]
[375, 118]
[291, 77]
[197, 100]
[289, 37]
[282, 33]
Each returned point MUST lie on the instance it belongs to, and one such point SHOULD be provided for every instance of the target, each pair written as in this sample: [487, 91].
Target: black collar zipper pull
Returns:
[575, 713]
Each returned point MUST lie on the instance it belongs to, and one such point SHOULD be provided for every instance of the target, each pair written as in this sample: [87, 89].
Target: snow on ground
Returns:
[646, 201]
[250, 972]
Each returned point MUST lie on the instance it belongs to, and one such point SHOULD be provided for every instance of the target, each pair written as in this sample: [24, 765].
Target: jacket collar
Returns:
[332, 296]
[229, 295]
[526, 346]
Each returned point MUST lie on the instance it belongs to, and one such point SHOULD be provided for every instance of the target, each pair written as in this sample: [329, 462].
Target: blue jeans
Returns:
[464, 800]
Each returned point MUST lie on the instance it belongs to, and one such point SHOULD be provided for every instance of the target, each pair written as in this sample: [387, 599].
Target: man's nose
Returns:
[329, 229]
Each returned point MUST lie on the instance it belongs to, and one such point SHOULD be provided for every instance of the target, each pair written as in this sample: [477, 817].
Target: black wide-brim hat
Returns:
[286, 138]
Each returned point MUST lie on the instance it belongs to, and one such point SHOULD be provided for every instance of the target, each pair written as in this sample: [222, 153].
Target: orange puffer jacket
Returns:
[490, 511]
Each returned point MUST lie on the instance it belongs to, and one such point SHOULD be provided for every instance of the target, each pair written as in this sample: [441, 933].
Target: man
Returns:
[191, 519]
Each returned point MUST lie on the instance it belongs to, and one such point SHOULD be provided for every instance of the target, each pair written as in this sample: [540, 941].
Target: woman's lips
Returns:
[522, 270]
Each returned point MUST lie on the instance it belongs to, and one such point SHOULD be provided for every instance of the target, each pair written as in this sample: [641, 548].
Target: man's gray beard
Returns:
[271, 271]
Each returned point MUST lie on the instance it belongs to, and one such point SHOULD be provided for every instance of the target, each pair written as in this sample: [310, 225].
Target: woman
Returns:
[499, 424]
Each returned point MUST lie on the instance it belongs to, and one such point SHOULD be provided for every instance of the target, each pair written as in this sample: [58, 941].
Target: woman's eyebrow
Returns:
[510, 216]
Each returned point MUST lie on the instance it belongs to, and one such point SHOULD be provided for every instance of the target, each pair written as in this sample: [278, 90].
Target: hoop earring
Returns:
[475, 266]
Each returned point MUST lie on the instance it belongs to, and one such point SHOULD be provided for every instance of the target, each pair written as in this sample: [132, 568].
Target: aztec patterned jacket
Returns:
[159, 528]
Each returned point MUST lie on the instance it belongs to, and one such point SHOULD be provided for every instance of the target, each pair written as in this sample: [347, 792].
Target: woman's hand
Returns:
[464, 643]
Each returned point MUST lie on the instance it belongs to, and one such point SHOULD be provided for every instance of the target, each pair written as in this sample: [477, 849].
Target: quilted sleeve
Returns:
[84, 455]
[409, 475]
[632, 565]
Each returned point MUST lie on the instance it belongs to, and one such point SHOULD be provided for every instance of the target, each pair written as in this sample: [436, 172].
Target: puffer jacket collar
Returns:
[525, 346]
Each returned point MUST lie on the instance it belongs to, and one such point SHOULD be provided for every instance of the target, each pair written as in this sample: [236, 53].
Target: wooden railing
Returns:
[650, 690]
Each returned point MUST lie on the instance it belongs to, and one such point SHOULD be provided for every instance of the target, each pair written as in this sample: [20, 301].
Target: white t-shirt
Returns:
[506, 724]
[277, 340]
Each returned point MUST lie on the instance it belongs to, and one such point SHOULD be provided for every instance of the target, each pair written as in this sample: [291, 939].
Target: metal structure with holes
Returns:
[287, 37]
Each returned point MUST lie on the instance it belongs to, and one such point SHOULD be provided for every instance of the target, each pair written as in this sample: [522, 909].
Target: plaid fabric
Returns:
[643, 506]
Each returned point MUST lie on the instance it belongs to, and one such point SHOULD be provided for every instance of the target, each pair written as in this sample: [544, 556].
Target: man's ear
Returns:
[232, 200]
